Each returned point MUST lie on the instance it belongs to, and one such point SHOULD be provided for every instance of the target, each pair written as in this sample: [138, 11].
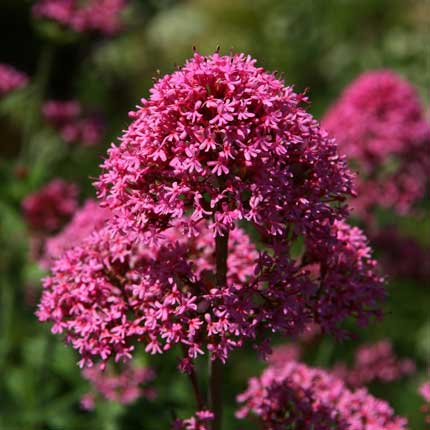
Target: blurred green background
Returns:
[317, 44]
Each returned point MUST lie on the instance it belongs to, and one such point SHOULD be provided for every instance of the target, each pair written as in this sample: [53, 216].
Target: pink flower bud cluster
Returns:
[401, 256]
[74, 126]
[380, 124]
[375, 362]
[424, 392]
[48, 209]
[10, 79]
[219, 142]
[86, 219]
[300, 397]
[103, 16]
[124, 386]
[200, 421]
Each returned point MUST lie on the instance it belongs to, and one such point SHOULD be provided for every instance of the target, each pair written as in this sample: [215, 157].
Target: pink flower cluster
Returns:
[10, 79]
[424, 392]
[226, 141]
[300, 397]
[401, 256]
[379, 123]
[220, 141]
[67, 118]
[201, 421]
[124, 386]
[86, 219]
[103, 16]
[374, 362]
[111, 291]
[48, 209]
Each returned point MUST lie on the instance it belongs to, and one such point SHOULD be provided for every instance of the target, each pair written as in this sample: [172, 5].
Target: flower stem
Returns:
[215, 366]
[195, 385]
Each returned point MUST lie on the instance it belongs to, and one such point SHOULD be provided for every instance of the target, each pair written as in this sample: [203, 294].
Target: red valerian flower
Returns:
[48, 209]
[103, 16]
[110, 292]
[380, 124]
[200, 421]
[11, 79]
[226, 141]
[301, 397]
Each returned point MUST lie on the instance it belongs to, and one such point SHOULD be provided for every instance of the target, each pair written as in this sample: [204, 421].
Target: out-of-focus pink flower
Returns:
[424, 392]
[401, 256]
[67, 118]
[380, 124]
[374, 362]
[103, 16]
[281, 354]
[200, 421]
[302, 398]
[124, 386]
[11, 79]
[86, 219]
[48, 209]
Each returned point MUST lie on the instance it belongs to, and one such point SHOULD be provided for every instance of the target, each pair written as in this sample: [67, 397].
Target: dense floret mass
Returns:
[380, 124]
[300, 397]
[51, 207]
[102, 16]
[111, 292]
[224, 140]
[11, 79]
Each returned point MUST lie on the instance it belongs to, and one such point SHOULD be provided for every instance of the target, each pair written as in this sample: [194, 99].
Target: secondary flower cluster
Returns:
[10, 79]
[48, 209]
[374, 362]
[380, 124]
[300, 397]
[124, 386]
[219, 142]
[74, 126]
[111, 291]
[83, 16]
[86, 219]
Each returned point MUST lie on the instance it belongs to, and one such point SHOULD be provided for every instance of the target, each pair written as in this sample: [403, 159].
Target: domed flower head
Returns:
[300, 397]
[379, 123]
[86, 219]
[74, 126]
[102, 16]
[51, 207]
[10, 79]
[226, 141]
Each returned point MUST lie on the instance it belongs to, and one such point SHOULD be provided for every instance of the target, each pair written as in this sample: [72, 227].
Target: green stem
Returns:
[215, 366]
